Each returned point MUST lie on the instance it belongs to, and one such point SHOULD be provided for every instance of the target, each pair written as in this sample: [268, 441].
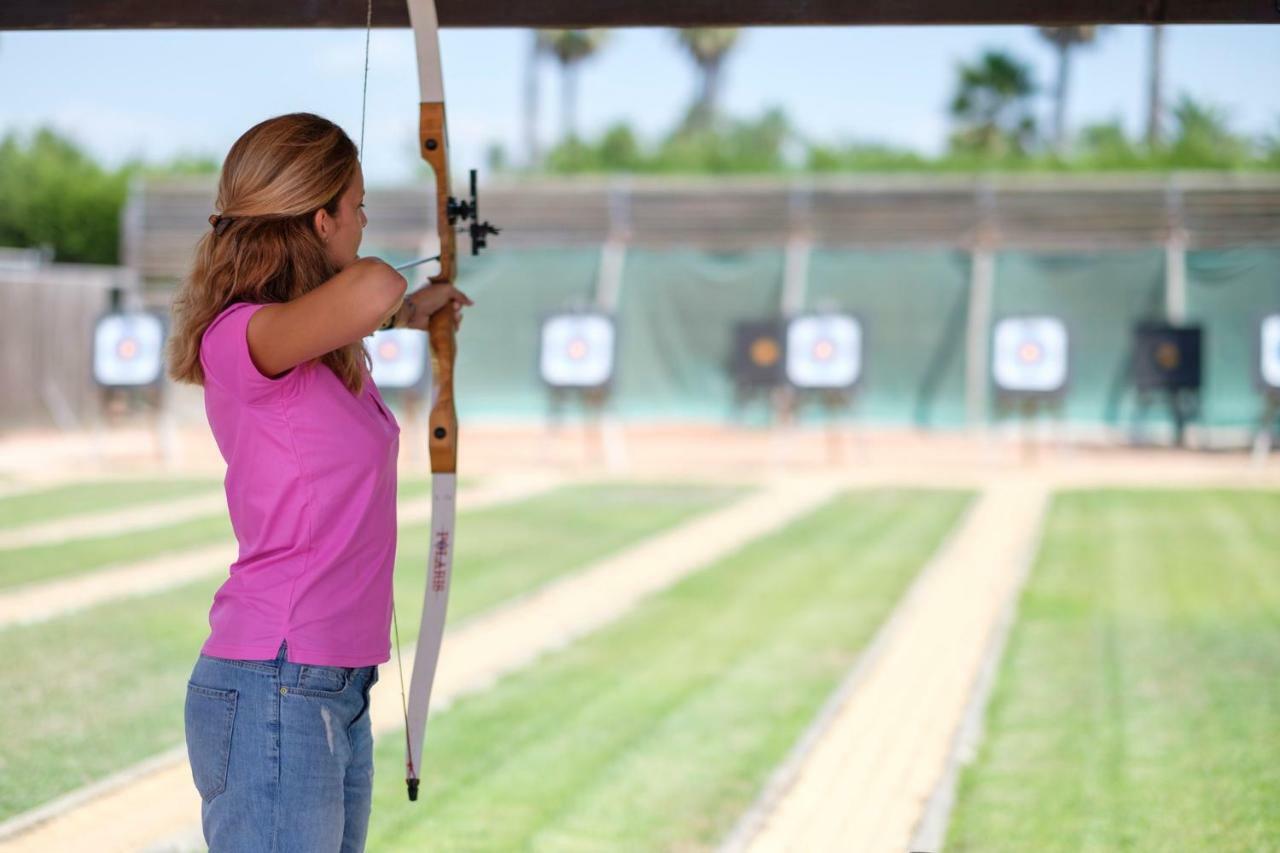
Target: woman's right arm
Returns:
[345, 308]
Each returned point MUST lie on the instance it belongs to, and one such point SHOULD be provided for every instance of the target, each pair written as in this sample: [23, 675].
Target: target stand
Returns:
[758, 367]
[401, 368]
[576, 363]
[824, 359]
[1031, 370]
[1167, 367]
[1268, 380]
[128, 368]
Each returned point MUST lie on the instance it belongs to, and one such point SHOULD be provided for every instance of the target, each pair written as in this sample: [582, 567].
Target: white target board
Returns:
[1270, 352]
[1030, 355]
[577, 350]
[824, 351]
[399, 358]
[128, 349]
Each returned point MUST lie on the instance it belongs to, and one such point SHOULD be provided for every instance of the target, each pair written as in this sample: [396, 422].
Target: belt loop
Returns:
[283, 654]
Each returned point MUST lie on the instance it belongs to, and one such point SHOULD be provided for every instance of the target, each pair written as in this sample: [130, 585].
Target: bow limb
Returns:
[443, 423]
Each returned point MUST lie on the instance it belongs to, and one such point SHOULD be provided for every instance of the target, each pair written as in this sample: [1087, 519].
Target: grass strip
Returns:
[99, 690]
[77, 498]
[40, 563]
[1138, 703]
[657, 732]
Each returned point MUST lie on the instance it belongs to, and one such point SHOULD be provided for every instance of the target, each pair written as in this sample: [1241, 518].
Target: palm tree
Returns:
[707, 47]
[1064, 39]
[1155, 86]
[571, 47]
[539, 46]
[992, 105]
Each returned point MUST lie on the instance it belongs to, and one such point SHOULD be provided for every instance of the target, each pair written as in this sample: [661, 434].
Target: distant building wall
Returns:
[47, 315]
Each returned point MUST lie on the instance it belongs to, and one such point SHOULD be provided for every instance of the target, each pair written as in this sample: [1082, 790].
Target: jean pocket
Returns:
[315, 680]
[209, 718]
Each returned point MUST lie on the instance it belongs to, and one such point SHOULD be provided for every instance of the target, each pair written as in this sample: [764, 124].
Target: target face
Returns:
[577, 350]
[824, 351]
[1271, 351]
[1030, 355]
[128, 349]
[399, 358]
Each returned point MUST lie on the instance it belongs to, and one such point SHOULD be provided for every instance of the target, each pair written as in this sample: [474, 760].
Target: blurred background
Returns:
[893, 406]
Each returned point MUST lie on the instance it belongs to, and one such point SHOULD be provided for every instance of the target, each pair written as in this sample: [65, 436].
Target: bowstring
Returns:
[395, 622]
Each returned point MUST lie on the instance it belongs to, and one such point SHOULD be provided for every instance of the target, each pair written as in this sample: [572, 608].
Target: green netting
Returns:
[675, 327]
[1229, 291]
[1099, 296]
[678, 308]
[497, 370]
[913, 307]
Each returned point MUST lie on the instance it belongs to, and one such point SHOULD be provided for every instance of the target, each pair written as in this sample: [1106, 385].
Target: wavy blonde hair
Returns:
[276, 176]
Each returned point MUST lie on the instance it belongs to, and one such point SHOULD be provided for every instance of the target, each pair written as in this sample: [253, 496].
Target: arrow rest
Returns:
[464, 210]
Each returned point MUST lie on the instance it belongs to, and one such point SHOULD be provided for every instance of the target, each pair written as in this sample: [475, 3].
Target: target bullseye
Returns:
[400, 359]
[764, 352]
[1029, 355]
[1269, 365]
[577, 350]
[824, 351]
[128, 349]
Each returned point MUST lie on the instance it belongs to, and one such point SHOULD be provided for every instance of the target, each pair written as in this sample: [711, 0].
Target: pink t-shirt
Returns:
[311, 490]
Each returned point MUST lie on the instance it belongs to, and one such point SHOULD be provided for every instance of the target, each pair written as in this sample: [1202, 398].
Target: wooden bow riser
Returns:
[443, 422]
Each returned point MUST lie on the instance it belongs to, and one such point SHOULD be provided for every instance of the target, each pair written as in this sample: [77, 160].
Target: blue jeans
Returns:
[281, 753]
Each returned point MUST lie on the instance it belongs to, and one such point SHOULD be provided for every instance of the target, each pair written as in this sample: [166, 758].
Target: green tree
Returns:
[1203, 138]
[1064, 41]
[1104, 145]
[571, 48]
[708, 47]
[55, 195]
[992, 107]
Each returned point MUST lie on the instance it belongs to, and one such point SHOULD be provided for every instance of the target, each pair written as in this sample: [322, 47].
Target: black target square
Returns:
[1167, 357]
[759, 353]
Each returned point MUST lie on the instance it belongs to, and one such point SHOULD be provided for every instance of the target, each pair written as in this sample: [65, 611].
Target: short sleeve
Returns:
[224, 354]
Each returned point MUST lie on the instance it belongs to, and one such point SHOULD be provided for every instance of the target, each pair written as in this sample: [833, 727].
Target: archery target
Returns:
[758, 353]
[128, 349]
[824, 351]
[399, 358]
[1166, 358]
[1030, 355]
[1270, 361]
[577, 350]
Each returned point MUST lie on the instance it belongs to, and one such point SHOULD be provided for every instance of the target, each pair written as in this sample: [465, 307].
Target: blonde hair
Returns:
[264, 248]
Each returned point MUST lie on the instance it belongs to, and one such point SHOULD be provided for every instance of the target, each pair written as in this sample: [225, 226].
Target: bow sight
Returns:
[471, 210]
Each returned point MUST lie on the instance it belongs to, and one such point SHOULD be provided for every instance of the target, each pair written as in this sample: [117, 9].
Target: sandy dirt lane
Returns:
[861, 779]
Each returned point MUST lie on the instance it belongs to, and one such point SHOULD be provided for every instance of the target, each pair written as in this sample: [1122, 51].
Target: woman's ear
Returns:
[323, 223]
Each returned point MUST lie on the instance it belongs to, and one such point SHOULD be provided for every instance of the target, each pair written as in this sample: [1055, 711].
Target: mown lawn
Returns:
[55, 561]
[1138, 704]
[76, 498]
[96, 691]
[658, 731]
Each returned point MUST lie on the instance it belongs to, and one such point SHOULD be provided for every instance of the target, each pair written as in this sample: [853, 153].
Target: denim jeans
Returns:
[281, 753]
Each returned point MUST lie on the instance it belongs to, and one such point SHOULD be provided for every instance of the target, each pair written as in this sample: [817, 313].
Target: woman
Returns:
[270, 323]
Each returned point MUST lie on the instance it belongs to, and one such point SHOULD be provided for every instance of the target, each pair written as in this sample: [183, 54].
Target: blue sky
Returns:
[158, 93]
